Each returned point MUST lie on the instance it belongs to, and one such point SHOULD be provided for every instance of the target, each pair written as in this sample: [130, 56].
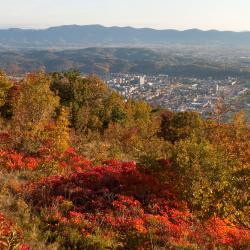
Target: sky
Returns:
[159, 14]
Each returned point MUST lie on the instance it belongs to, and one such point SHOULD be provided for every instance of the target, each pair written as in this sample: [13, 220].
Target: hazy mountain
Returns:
[89, 35]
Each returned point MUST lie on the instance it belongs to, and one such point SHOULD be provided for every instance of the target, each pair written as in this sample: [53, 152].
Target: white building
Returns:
[142, 80]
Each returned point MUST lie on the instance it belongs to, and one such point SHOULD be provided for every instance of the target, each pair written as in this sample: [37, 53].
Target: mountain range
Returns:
[97, 35]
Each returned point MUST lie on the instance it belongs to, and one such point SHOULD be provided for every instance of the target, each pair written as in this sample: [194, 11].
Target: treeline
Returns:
[186, 184]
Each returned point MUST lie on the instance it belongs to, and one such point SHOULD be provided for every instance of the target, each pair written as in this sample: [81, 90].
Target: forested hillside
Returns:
[180, 63]
[81, 168]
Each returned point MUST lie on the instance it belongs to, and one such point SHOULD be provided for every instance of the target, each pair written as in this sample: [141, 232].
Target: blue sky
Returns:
[178, 14]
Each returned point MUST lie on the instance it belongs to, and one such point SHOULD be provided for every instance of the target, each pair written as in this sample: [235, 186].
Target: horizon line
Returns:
[118, 26]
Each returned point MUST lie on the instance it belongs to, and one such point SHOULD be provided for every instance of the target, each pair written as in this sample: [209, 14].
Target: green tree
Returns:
[114, 110]
[84, 96]
[177, 126]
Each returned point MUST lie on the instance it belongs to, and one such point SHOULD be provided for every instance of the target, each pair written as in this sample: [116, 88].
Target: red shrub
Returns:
[8, 240]
[12, 160]
[121, 197]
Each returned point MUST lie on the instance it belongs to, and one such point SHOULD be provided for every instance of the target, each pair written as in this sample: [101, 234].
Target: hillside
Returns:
[127, 60]
[82, 168]
[95, 35]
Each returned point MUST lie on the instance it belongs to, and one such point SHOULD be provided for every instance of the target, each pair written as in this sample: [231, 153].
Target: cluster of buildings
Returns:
[177, 93]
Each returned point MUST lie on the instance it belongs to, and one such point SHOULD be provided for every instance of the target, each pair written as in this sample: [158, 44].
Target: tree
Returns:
[139, 111]
[5, 85]
[59, 133]
[63, 84]
[89, 94]
[177, 126]
[212, 179]
[84, 96]
[114, 110]
[166, 119]
[32, 111]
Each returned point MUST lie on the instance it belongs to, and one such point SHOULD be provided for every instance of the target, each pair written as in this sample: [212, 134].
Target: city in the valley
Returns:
[180, 93]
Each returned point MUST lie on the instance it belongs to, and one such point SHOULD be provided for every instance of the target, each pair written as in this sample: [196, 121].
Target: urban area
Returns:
[180, 93]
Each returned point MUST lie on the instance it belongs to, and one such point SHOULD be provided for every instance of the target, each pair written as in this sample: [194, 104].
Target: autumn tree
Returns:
[32, 111]
[59, 133]
[213, 177]
[166, 119]
[63, 85]
[5, 85]
[114, 110]
[180, 125]
[85, 98]
[138, 111]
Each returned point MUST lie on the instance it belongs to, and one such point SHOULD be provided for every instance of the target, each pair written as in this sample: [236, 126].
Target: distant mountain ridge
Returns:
[89, 35]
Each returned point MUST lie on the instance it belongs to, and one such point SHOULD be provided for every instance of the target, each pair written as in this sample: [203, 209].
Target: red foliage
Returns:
[24, 247]
[12, 160]
[226, 233]
[123, 197]
[70, 160]
[5, 226]
[6, 230]
[120, 196]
